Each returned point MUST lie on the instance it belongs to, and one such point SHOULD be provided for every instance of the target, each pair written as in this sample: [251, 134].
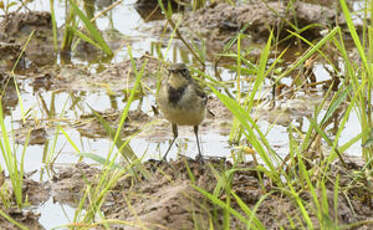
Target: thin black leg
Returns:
[174, 130]
[197, 139]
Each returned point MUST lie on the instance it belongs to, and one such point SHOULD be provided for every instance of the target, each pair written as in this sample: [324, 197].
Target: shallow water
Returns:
[125, 19]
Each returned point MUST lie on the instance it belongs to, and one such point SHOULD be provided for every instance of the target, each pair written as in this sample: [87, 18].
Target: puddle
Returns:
[54, 215]
[64, 95]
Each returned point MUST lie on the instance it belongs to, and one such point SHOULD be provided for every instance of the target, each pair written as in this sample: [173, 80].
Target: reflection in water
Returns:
[101, 4]
[69, 110]
[9, 98]
[149, 10]
[89, 9]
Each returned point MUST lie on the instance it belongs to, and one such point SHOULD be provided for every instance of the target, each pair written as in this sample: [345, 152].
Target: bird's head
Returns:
[179, 75]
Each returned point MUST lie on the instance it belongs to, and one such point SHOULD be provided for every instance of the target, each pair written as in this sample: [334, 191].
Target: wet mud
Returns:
[218, 20]
[113, 78]
[31, 136]
[9, 54]
[9, 97]
[218, 23]
[16, 28]
[149, 10]
[34, 194]
[166, 197]
[90, 125]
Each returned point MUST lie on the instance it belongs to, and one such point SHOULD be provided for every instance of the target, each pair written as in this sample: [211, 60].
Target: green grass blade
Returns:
[336, 102]
[301, 207]
[249, 213]
[11, 220]
[355, 36]
[245, 119]
[261, 71]
[85, 37]
[98, 159]
[54, 25]
[127, 152]
[221, 204]
[10, 160]
[92, 29]
[307, 55]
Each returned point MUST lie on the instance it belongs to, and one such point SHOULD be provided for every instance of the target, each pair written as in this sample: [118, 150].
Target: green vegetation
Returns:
[72, 30]
[307, 169]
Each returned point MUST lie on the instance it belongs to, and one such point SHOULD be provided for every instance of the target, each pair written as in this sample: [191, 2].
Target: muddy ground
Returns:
[219, 23]
[165, 197]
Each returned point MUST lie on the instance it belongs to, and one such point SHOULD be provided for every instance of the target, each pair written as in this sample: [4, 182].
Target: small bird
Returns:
[182, 101]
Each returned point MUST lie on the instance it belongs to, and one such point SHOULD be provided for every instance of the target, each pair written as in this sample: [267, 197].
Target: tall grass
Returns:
[72, 29]
[95, 38]
[355, 90]
[361, 77]
[13, 165]
[89, 208]
[291, 175]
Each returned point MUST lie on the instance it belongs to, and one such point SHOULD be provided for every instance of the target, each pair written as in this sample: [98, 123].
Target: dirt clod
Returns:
[24, 217]
[167, 197]
[36, 193]
[17, 27]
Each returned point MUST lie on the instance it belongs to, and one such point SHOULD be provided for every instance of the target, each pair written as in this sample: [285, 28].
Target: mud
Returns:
[33, 136]
[167, 200]
[287, 110]
[9, 97]
[24, 217]
[67, 186]
[116, 81]
[149, 10]
[122, 75]
[90, 126]
[256, 19]
[112, 78]
[16, 29]
[87, 52]
[35, 193]
[217, 23]
[138, 122]
[9, 54]
[164, 197]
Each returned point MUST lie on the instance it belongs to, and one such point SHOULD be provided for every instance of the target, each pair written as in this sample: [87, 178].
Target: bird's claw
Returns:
[200, 159]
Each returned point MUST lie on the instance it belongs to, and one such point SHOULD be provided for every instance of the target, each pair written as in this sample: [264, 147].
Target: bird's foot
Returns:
[200, 159]
[162, 161]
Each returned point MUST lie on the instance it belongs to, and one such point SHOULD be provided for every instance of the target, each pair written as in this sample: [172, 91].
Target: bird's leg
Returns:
[200, 157]
[174, 130]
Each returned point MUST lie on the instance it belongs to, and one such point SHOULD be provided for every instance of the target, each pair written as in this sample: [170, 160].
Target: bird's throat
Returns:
[176, 81]
[175, 94]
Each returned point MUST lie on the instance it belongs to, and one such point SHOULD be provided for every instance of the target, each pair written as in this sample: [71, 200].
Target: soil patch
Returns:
[15, 29]
[9, 98]
[166, 198]
[114, 79]
[257, 19]
[9, 53]
[218, 24]
[37, 193]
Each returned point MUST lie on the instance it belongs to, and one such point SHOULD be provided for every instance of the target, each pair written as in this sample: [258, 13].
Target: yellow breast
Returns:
[189, 110]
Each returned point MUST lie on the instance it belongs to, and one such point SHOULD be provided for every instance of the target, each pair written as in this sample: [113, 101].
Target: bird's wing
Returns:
[201, 93]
